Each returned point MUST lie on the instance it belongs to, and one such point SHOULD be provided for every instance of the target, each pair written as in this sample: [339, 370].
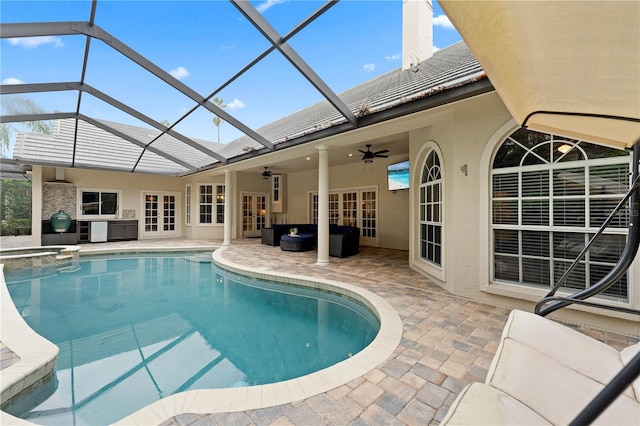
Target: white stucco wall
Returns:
[393, 207]
[463, 133]
[459, 133]
[468, 133]
[130, 185]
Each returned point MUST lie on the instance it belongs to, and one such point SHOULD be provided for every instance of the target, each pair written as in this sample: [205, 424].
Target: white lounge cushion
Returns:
[481, 404]
[625, 355]
[575, 350]
[550, 388]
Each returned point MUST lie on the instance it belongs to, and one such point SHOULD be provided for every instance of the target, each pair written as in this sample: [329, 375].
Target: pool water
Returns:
[135, 328]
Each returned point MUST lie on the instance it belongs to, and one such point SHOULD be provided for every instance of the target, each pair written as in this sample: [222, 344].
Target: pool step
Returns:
[203, 258]
[69, 268]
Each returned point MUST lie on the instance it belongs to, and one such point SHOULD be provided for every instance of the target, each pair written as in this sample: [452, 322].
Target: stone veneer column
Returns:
[227, 208]
[58, 196]
[323, 206]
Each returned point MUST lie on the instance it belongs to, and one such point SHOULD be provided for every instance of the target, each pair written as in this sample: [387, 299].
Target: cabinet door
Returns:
[115, 231]
[83, 231]
[131, 230]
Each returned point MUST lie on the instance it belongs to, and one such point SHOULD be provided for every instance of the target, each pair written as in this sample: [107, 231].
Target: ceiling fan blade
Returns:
[382, 156]
[364, 152]
[384, 151]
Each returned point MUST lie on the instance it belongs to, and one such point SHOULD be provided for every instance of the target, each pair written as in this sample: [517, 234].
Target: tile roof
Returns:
[98, 149]
[448, 67]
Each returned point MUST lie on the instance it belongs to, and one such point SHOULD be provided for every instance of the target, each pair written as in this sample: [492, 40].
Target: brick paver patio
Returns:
[447, 342]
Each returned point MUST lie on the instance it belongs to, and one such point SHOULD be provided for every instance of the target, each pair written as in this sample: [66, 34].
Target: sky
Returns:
[204, 44]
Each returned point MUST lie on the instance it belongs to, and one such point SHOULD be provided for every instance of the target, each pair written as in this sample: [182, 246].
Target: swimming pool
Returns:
[150, 326]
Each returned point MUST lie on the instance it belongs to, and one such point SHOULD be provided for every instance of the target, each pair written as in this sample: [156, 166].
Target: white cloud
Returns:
[12, 80]
[443, 21]
[236, 104]
[369, 67]
[268, 4]
[33, 42]
[435, 49]
[395, 57]
[179, 73]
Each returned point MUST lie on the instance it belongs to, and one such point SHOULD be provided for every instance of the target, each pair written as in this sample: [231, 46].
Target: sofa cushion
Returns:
[626, 355]
[481, 404]
[338, 229]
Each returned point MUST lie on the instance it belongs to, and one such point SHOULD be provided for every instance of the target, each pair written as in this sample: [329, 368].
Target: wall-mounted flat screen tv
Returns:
[398, 176]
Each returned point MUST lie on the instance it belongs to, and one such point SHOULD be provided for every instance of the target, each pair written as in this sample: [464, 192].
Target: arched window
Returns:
[431, 210]
[549, 196]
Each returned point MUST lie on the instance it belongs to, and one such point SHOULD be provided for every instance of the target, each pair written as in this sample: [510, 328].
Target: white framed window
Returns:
[369, 217]
[99, 203]
[187, 205]
[211, 204]
[169, 213]
[219, 203]
[549, 196]
[151, 213]
[334, 209]
[275, 188]
[430, 206]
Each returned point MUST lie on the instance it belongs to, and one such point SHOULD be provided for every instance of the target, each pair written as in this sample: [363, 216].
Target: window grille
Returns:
[211, 209]
[187, 214]
[549, 196]
[431, 210]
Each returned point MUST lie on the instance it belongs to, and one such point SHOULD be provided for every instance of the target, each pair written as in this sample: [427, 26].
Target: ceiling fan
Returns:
[369, 155]
[267, 173]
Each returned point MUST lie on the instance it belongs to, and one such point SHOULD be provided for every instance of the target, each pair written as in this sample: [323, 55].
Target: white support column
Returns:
[227, 208]
[323, 206]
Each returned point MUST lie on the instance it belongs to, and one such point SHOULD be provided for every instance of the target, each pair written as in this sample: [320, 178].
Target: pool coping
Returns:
[38, 257]
[37, 356]
[208, 401]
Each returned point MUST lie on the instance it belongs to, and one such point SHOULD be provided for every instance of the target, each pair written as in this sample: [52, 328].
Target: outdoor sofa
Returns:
[344, 241]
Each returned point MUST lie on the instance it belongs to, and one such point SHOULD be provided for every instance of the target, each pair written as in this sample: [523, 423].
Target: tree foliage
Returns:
[18, 105]
[15, 198]
[217, 121]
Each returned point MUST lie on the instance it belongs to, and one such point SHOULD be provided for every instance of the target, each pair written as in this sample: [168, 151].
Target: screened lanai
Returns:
[175, 88]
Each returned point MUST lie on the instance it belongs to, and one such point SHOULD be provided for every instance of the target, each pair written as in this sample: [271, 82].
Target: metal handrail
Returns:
[611, 391]
[604, 226]
[550, 303]
[571, 300]
[627, 257]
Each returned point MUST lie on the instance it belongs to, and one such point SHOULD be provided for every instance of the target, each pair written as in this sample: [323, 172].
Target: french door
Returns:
[160, 214]
[254, 214]
[353, 207]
